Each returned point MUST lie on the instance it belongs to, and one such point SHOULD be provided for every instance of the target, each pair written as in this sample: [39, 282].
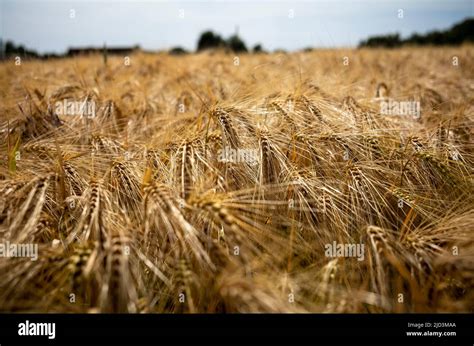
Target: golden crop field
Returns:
[320, 181]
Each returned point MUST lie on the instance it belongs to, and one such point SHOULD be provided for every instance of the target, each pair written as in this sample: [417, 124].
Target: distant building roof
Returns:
[110, 50]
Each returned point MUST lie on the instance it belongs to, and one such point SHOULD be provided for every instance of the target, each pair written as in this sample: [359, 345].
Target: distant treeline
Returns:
[459, 33]
[9, 49]
[211, 40]
[207, 40]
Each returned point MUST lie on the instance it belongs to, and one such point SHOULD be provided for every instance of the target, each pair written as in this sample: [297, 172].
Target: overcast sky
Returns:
[53, 26]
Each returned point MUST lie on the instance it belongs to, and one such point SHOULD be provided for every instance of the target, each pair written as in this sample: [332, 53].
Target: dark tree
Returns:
[177, 51]
[257, 48]
[459, 33]
[235, 44]
[389, 41]
[11, 50]
[415, 39]
[462, 32]
[209, 40]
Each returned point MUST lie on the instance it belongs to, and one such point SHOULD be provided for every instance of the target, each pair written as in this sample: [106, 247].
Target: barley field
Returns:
[209, 183]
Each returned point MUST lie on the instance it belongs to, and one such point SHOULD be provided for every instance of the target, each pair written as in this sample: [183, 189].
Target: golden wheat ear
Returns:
[118, 291]
[163, 212]
[272, 160]
[90, 224]
[29, 202]
[382, 90]
[124, 184]
[229, 133]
